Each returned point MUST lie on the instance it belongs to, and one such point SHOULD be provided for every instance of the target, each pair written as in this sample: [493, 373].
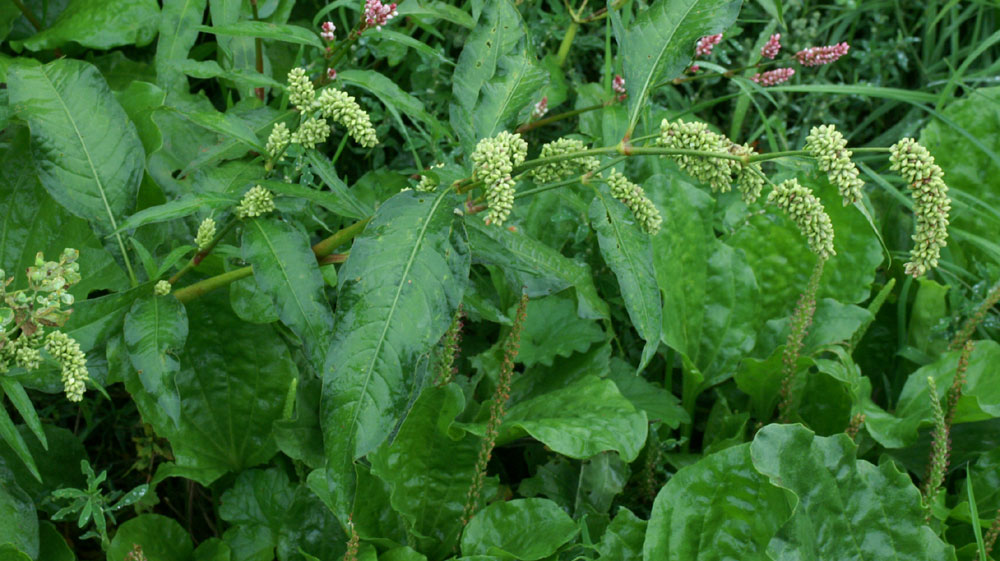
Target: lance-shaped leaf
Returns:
[845, 508]
[178, 32]
[99, 24]
[629, 253]
[660, 43]
[709, 291]
[286, 270]
[720, 503]
[88, 154]
[399, 290]
[155, 331]
[527, 529]
[428, 471]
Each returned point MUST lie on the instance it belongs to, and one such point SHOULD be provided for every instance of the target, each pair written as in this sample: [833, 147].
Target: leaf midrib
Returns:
[369, 372]
[83, 145]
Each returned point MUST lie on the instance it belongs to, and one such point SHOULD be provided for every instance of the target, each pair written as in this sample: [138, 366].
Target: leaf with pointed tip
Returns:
[399, 290]
[19, 523]
[527, 529]
[285, 269]
[266, 30]
[172, 210]
[99, 24]
[660, 43]
[845, 508]
[155, 331]
[178, 32]
[88, 154]
[629, 252]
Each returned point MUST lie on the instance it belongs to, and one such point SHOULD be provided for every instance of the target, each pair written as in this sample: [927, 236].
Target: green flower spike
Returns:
[636, 200]
[300, 89]
[342, 108]
[64, 349]
[749, 176]
[931, 204]
[162, 288]
[493, 162]
[561, 170]
[718, 173]
[206, 233]
[829, 147]
[808, 214]
[312, 132]
[258, 201]
[277, 141]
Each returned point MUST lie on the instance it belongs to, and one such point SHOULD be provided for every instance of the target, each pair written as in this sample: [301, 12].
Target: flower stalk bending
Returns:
[808, 214]
[931, 204]
[829, 147]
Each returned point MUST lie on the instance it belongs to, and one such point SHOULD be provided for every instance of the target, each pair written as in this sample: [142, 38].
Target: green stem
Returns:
[340, 148]
[786, 153]
[258, 45]
[201, 288]
[580, 179]
[689, 396]
[326, 247]
[567, 42]
[542, 122]
[198, 257]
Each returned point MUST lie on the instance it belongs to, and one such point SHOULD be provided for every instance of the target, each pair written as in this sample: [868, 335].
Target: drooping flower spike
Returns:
[829, 147]
[931, 204]
[493, 162]
[636, 200]
[808, 214]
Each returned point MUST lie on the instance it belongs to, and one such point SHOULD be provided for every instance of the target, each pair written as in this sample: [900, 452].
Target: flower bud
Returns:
[162, 288]
[206, 233]
[300, 89]
[256, 202]
[312, 132]
[277, 141]
[829, 147]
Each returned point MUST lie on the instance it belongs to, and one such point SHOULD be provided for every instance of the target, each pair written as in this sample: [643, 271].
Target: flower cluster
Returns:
[555, 171]
[378, 14]
[206, 233]
[300, 89]
[67, 351]
[931, 203]
[749, 175]
[312, 132]
[540, 108]
[808, 214]
[277, 141]
[428, 183]
[817, 56]
[162, 288]
[771, 48]
[829, 147]
[258, 201]
[342, 108]
[773, 77]
[618, 85]
[705, 45]
[327, 31]
[494, 160]
[636, 200]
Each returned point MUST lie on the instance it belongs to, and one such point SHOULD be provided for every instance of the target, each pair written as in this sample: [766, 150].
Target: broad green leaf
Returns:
[52, 545]
[87, 152]
[782, 263]
[580, 420]
[980, 396]
[10, 552]
[31, 221]
[844, 508]
[210, 69]
[395, 99]
[530, 263]
[94, 321]
[213, 549]
[16, 442]
[399, 290]
[234, 53]
[498, 31]
[553, 330]
[285, 269]
[437, 10]
[428, 471]
[309, 528]
[99, 24]
[226, 125]
[659, 404]
[332, 201]
[180, 208]
[178, 32]
[660, 43]
[161, 538]
[717, 508]
[624, 537]
[10, 12]
[155, 331]
[629, 253]
[231, 374]
[508, 93]
[258, 497]
[139, 100]
[709, 293]
[266, 30]
[251, 126]
[22, 403]
[18, 519]
[526, 529]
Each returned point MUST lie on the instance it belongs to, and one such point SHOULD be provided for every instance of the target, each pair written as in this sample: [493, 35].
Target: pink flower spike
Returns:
[618, 84]
[694, 68]
[327, 30]
[816, 56]
[541, 108]
[331, 73]
[378, 14]
[771, 48]
[774, 77]
[705, 45]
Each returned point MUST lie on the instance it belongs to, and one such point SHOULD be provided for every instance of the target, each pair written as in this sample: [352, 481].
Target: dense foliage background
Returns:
[369, 370]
